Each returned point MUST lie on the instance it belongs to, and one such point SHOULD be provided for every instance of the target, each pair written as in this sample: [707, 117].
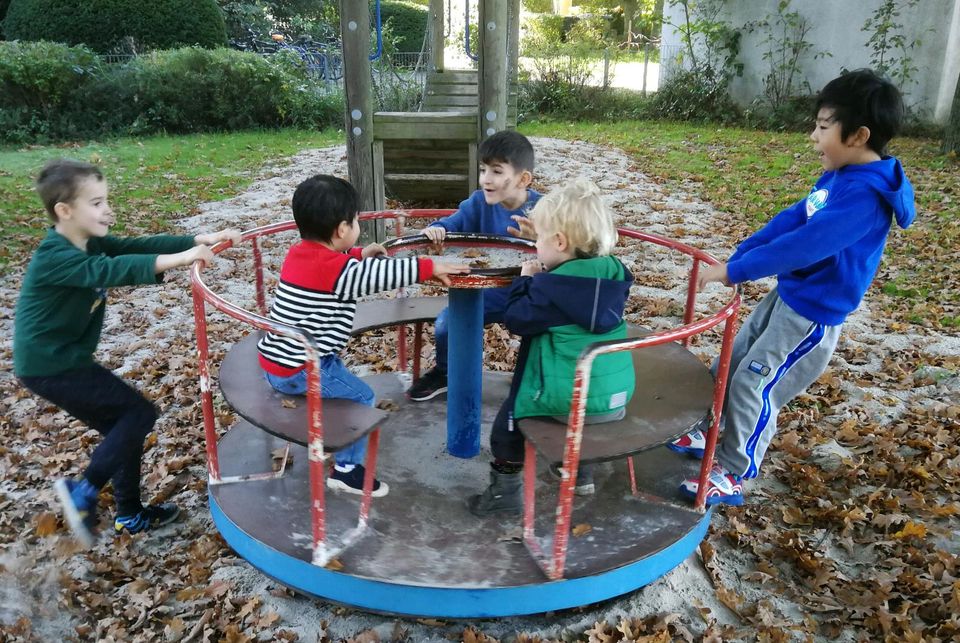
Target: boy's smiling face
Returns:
[502, 183]
[833, 150]
[87, 215]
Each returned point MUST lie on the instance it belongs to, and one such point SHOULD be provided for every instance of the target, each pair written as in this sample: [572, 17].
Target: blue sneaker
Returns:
[692, 443]
[79, 502]
[722, 487]
[150, 517]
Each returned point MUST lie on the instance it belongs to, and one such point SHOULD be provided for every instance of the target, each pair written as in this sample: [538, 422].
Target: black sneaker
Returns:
[430, 385]
[150, 517]
[584, 486]
[352, 482]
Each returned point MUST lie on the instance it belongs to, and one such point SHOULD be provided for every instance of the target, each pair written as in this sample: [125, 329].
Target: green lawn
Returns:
[152, 180]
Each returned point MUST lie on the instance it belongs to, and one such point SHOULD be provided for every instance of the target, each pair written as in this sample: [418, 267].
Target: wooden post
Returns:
[436, 35]
[358, 119]
[494, 89]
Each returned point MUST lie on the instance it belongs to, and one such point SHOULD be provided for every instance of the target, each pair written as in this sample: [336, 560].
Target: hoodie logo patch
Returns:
[816, 201]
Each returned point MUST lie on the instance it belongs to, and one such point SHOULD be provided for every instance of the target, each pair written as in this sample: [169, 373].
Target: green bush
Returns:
[408, 22]
[51, 92]
[38, 86]
[695, 96]
[105, 25]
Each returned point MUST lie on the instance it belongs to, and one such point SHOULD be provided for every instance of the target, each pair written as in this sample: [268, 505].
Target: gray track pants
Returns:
[777, 354]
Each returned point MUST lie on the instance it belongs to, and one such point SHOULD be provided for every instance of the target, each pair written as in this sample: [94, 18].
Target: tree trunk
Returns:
[951, 138]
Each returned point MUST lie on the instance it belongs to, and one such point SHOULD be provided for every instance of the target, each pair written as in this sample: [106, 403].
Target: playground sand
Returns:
[148, 337]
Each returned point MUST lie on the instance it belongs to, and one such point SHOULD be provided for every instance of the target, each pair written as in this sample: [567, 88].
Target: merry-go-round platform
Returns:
[418, 550]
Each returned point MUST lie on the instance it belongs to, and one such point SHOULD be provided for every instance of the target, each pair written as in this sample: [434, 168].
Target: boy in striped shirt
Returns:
[321, 278]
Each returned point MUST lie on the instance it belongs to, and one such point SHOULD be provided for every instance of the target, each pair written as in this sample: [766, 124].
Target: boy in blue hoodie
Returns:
[499, 207]
[571, 295]
[824, 250]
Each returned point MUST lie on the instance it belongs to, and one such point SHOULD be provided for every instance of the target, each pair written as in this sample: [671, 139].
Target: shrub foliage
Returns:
[50, 92]
[104, 25]
[408, 22]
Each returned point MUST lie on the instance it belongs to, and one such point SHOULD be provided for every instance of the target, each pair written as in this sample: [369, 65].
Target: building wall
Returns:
[835, 28]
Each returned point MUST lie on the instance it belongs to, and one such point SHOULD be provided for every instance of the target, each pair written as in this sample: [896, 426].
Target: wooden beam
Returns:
[436, 35]
[494, 40]
[358, 119]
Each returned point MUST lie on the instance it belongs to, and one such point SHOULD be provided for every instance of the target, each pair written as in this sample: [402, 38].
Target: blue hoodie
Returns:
[825, 249]
[476, 215]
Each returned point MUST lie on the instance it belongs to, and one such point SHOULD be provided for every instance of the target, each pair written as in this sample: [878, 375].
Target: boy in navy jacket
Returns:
[571, 295]
[502, 202]
[824, 250]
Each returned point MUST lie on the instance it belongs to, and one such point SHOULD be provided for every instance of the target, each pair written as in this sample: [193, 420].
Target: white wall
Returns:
[836, 28]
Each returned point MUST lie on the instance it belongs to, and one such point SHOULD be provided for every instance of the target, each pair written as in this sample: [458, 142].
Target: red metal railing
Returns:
[203, 295]
[554, 568]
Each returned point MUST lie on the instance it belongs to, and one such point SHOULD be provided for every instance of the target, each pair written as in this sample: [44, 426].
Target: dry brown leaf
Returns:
[581, 530]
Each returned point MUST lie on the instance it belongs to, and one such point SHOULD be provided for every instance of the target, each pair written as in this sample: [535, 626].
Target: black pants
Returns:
[118, 412]
[506, 441]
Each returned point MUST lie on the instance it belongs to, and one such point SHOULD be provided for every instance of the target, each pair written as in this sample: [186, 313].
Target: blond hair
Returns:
[578, 211]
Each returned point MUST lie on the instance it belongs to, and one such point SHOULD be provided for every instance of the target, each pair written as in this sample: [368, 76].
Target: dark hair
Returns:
[507, 147]
[59, 179]
[321, 203]
[862, 98]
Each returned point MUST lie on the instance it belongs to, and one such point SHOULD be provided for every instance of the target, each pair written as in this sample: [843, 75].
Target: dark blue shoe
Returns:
[150, 517]
[79, 502]
[352, 482]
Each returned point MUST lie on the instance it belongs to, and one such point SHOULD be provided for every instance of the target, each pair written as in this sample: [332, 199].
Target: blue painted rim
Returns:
[445, 602]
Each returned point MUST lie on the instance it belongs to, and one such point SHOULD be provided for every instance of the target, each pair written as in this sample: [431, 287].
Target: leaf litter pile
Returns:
[852, 532]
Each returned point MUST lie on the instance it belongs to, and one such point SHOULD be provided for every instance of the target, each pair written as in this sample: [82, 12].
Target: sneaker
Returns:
[722, 487]
[150, 517]
[352, 482]
[79, 502]
[692, 443]
[430, 385]
[584, 486]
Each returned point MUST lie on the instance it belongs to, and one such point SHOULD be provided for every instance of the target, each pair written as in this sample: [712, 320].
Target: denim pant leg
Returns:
[336, 382]
[494, 305]
[100, 399]
[441, 339]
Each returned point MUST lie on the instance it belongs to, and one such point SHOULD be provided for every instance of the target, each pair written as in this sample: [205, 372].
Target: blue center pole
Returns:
[464, 371]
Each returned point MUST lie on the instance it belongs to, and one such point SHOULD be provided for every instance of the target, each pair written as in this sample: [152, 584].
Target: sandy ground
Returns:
[163, 321]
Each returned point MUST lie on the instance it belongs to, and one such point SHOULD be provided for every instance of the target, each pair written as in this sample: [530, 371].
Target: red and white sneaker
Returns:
[692, 443]
[722, 487]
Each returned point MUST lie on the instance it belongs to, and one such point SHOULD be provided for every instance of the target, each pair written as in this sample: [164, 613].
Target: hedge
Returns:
[408, 23]
[105, 25]
[51, 92]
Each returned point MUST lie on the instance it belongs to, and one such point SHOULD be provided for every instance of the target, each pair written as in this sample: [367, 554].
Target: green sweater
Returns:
[59, 314]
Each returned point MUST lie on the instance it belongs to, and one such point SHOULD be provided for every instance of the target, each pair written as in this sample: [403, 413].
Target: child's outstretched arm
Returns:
[185, 258]
[442, 271]
[709, 274]
[212, 238]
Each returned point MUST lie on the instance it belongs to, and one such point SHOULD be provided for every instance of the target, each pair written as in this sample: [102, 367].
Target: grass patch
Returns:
[152, 180]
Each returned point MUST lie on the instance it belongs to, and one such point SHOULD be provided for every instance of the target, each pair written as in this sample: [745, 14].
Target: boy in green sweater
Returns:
[57, 325]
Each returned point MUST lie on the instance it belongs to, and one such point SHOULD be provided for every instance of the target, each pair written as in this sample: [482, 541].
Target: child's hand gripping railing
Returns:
[202, 295]
[554, 566]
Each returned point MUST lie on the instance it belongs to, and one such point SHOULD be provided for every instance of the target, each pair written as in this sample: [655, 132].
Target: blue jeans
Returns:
[494, 303]
[336, 382]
